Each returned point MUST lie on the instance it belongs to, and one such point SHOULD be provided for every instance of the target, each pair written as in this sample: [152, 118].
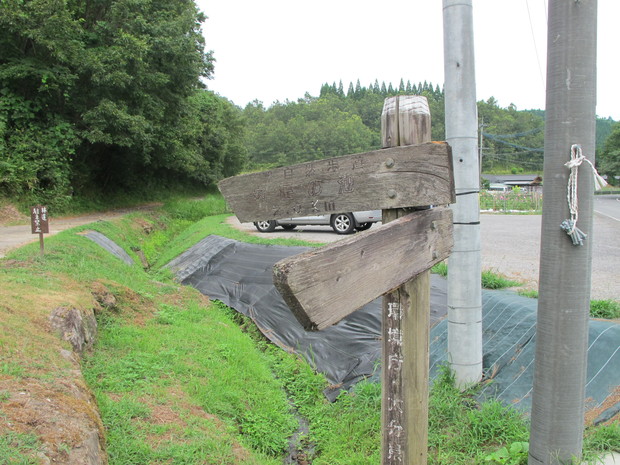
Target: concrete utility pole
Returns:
[565, 269]
[464, 287]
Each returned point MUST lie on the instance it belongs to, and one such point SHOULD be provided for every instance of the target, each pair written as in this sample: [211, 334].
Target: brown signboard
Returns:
[39, 220]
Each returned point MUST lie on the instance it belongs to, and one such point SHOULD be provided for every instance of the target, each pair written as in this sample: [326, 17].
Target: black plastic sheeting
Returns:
[509, 340]
[239, 274]
[110, 246]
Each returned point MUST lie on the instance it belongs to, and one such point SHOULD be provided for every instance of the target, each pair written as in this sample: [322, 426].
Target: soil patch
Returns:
[9, 215]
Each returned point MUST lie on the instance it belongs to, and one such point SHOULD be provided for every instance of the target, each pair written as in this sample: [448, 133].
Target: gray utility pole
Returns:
[565, 269]
[464, 287]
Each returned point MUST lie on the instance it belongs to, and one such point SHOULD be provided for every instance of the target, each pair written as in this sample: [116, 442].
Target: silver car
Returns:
[341, 223]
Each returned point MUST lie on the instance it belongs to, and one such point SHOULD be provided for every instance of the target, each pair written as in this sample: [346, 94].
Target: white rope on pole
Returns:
[570, 225]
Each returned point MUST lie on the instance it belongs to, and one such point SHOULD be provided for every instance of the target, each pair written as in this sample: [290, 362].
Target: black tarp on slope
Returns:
[239, 274]
[509, 337]
[110, 246]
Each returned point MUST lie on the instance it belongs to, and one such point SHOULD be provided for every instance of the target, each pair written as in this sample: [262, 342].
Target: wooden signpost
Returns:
[323, 286]
[39, 223]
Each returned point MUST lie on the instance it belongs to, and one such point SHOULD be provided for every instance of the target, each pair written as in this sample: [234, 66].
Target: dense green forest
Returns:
[338, 122]
[103, 97]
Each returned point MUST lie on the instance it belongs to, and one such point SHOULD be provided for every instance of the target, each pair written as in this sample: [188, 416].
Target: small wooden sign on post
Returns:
[325, 285]
[39, 223]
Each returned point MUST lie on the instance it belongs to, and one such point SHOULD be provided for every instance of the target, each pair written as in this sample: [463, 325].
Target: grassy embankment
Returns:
[180, 379]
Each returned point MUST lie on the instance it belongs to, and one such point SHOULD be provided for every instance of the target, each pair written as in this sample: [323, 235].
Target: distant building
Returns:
[527, 182]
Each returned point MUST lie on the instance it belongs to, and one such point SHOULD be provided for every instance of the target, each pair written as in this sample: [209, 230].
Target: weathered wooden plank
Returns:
[325, 285]
[415, 175]
[406, 314]
[404, 372]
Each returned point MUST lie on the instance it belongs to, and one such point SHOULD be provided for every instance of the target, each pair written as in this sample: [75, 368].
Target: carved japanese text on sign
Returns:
[395, 412]
[39, 220]
[415, 175]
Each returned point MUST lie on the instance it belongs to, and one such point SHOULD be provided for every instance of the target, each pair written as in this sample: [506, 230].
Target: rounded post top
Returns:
[416, 104]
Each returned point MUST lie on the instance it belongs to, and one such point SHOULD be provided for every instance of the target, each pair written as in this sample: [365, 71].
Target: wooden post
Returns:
[39, 224]
[406, 317]
[395, 180]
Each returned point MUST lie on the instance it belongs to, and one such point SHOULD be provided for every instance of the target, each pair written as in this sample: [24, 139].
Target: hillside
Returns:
[107, 362]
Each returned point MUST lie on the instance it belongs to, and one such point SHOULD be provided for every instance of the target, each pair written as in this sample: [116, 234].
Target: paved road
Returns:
[511, 245]
[608, 205]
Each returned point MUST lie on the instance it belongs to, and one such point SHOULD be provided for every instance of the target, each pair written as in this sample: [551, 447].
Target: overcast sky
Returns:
[280, 49]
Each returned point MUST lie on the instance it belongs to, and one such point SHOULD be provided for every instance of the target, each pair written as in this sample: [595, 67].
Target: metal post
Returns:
[565, 269]
[464, 287]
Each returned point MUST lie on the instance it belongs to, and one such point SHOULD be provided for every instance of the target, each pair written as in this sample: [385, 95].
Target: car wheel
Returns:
[363, 226]
[288, 227]
[343, 223]
[265, 226]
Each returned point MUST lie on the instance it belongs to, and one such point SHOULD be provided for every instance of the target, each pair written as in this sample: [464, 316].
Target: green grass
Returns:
[605, 309]
[348, 432]
[489, 279]
[176, 380]
[194, 365]
[513, 201]
[182, 380]
[609, 309]
[601, 440]
[531, 293]
[441, 269]
[88, 202]
[18, 449]
[492, 280]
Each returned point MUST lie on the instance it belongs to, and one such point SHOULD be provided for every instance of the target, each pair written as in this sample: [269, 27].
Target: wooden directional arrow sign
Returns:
[325, 285]
[408, 176]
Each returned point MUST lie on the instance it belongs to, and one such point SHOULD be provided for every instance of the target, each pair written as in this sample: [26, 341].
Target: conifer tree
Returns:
[350, 90]
[358, 89]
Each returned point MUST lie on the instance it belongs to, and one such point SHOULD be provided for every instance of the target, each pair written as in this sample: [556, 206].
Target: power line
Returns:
[510, 144]
[515, 135]
[542, 78]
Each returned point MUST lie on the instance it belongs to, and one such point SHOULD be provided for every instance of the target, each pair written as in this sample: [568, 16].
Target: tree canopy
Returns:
[334, 123]
[338, 122]
[609, 162]
[107, 95]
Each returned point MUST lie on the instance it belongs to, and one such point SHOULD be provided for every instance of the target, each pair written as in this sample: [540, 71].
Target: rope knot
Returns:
[577, 158]
[570, 225]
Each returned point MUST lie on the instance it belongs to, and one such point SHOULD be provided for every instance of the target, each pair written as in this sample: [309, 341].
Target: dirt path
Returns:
[16, 236]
